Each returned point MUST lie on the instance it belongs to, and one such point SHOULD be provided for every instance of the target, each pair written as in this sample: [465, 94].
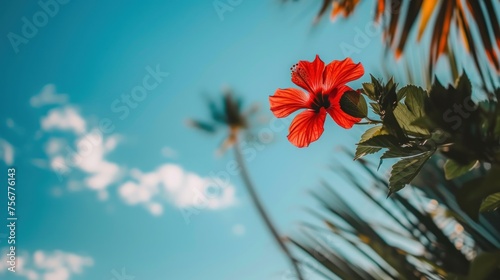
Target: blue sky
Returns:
[119, 206]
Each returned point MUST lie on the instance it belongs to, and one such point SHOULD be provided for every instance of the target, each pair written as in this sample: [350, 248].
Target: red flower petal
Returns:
[339, 116]
[338, 73]
[306, 127]
[309, 75]
[286, 101]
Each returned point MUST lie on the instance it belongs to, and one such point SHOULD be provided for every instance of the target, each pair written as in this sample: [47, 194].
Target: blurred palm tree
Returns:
[420, 235]
[455, 26]
[229, 116]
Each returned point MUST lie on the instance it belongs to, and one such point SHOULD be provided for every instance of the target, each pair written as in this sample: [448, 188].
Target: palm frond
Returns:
[452, 25]
[202, 126]
[440, 240]
[229, 115]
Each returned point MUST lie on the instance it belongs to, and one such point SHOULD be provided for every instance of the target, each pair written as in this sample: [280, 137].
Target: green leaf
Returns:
[391, 85]
[354, 104]
[402, 92]
[387, 96]
[491, 203]
[375, 108]
[406, 119]
[362, 151]
[392, 125]
[405, 170]
[401, 152]
[380, 141]
[377, 87]
[464, 85]
[472, 193]
[442, 100]
[415, 100]
[452, 169]
[362, 106]
[369, 91]
[369, 133]
[424, 123]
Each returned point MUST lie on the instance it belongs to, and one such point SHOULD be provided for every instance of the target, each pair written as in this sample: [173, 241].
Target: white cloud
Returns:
[48, 96]
[79, 160]
[82, 163]
[55, 145]
[88, 156]
[64, 118]
[91, 151]
[171, 183]
[6, 152]
[54, 148]
[41, 265]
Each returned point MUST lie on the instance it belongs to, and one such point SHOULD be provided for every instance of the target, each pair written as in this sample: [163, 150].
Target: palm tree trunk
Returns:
[262, 212]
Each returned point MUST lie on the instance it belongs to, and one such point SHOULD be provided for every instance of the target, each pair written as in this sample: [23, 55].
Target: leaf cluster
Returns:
[413, 124]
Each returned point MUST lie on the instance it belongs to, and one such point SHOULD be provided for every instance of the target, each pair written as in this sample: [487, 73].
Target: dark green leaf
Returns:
[405, 170]
[412, 109]
[415, 100]
[401, 152]
[452, 169]
[402, 93]
[362, 151]
[375, 108]
[378, 88]
[424, 123]
[380, 141]
[406, 119]
[463, 85]
[354, 104]
[472, 193]
[491, 203]
[369, 91]
[369, 133]
[392, 125]
[387, 97]
[443, 101]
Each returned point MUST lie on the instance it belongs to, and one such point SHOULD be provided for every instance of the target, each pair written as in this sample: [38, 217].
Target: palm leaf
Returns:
[442, 256]
[442, 18]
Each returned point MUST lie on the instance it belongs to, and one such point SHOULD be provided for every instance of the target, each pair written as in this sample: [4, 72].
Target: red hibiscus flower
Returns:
[325, 87]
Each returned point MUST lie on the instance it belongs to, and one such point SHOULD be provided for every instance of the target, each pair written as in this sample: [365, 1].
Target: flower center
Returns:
[320, 101]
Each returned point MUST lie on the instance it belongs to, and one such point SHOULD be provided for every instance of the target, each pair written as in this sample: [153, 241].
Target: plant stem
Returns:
[260, 208]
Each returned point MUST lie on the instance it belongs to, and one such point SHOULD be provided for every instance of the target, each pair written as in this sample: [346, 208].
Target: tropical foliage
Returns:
[448, 26]
[419, 234]
[437, 208]
[443, 139]
[414, 124]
